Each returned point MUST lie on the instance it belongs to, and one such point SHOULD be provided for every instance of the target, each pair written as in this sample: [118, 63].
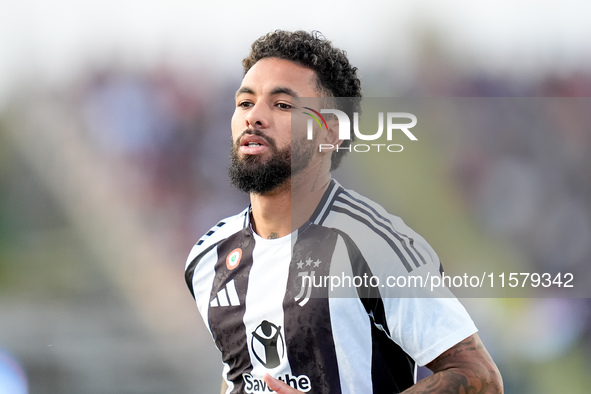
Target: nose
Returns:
[258, 116]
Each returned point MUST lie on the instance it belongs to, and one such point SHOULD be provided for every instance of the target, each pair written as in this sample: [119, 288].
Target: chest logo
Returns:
[267, 344]
[305, 280]
[227, 296]
[233, 259]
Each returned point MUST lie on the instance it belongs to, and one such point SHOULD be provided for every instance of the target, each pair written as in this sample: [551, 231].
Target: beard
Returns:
[251, 174]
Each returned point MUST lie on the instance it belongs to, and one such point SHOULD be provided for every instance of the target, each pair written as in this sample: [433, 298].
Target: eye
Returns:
[284, 105]
[244, 104]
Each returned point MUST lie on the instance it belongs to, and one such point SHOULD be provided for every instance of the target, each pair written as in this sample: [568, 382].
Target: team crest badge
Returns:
[233, 258]
[307, 278]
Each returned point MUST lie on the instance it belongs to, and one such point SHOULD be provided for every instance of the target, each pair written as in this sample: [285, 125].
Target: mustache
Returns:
[258, 133]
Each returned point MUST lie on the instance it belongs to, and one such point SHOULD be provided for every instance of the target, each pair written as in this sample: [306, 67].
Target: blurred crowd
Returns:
[173, 132]
[529, 182]
[524, 172]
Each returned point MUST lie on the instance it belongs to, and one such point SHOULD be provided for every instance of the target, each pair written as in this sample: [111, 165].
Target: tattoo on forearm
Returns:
[469, 345]
[448, 382]
[453, 377]
[273, 236]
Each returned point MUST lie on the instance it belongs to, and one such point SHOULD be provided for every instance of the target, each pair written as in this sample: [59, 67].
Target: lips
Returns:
[251, 144]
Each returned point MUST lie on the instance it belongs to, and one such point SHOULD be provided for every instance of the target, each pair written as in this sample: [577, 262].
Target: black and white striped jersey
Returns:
[265, 317]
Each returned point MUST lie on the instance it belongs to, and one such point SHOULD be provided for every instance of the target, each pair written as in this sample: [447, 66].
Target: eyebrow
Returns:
[277, 90]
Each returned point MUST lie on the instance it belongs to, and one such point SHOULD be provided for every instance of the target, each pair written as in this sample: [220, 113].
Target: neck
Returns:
[286, 208]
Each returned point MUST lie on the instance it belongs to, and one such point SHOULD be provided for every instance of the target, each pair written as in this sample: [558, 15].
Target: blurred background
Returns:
[114, 138]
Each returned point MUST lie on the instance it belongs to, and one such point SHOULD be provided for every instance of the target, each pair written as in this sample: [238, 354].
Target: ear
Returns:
[331, 137]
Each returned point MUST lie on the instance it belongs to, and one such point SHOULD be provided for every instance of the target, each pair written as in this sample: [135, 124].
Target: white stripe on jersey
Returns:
[267, 282]
[351, 331]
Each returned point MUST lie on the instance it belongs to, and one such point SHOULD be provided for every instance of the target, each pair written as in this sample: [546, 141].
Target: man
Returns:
[247, 273]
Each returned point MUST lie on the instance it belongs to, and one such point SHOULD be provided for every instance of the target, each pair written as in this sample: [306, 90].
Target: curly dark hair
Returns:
[335, 75]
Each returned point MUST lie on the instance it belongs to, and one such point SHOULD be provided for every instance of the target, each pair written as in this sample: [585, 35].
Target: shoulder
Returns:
[372, 227]
[349, 211]
[222, 230]
[341, 203]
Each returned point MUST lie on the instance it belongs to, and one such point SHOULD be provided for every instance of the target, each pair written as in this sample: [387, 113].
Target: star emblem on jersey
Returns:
[305, 279]
[233, 258]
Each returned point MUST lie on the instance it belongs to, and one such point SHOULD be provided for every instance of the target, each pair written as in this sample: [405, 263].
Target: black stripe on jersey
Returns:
[389, 229]
[326, 201]
[360, 268]
[377, 231]
[191, 268]
[308, 328]
[226, 321]
[246, 216]
[392, 370]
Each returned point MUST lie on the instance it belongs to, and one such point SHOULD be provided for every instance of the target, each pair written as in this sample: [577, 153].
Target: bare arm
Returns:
[465, 368]
[224, 387]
